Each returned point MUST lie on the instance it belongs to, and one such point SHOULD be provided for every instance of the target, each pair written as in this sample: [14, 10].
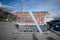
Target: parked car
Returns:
[52, 22]
[56, 26]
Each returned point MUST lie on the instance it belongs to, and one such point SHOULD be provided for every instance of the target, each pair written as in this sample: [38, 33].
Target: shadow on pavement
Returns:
[50, 38]
[34, 37]
[55, 32]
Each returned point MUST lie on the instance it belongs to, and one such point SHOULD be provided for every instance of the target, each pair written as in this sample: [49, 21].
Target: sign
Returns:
[40, 19]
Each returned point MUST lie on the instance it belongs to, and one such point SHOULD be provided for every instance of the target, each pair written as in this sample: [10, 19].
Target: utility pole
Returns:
[21, 9]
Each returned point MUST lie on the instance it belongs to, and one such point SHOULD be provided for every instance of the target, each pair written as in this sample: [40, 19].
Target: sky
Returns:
[52, 6]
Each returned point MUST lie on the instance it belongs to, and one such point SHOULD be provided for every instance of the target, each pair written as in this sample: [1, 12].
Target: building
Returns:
[26, 22]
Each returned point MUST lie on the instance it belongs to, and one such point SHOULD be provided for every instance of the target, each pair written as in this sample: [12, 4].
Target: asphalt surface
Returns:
[9, 32]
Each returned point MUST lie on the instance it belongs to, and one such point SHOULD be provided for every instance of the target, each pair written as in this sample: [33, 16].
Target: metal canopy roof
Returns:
[35, 13]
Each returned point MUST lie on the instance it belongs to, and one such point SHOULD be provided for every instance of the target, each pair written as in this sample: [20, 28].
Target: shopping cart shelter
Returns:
[27, 23]
[25, 17]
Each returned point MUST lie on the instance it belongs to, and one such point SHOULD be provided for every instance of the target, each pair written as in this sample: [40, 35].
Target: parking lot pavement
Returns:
[51, 36]
[9, 32]
[56, 32]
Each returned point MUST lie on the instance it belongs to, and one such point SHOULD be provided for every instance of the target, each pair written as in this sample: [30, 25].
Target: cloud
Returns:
[5, 7]
[16, 4]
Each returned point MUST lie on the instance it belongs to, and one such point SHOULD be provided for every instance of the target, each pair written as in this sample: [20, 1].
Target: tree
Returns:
[6, 15]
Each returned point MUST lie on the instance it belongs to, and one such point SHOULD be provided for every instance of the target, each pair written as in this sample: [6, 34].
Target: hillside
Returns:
[6, 16]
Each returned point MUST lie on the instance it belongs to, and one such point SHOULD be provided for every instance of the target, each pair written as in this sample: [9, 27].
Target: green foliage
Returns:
[6, 15]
